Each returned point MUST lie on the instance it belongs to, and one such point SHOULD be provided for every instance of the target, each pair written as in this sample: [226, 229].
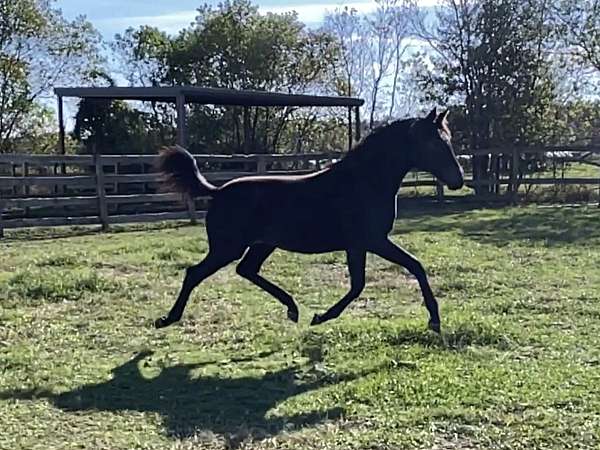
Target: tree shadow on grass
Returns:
[553, 226]
[233, 408]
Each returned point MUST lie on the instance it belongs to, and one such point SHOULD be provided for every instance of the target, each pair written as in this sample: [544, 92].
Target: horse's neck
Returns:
[375, 171]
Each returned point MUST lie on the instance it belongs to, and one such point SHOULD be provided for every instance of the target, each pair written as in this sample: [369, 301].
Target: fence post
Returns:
[25, 174]
[514, 174]
[1, 227]
[261, 165]
[439, 190]
[191, 206]
[26, 190]
[100, 190]
[15, 189]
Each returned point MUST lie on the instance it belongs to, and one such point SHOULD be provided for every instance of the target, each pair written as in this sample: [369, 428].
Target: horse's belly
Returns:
[310, 244]
[305, 231]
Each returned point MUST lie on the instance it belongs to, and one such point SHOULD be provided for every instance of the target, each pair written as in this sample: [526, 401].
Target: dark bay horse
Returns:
[348, 206]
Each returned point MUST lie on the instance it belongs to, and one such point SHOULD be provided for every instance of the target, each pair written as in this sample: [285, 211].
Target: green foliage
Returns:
[142, 55]
[113, 127]
[38, 49]
[492, 61]
[233, 46]
[579, 24]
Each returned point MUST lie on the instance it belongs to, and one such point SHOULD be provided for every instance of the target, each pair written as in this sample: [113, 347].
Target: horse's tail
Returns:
[180, 172]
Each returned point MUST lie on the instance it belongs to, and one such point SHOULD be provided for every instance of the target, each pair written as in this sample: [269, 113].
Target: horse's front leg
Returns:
[356, 266]
[390, 251]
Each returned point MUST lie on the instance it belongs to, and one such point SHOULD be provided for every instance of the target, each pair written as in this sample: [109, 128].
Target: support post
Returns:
[61, 141]
[246, 124]
[61, 126]
[357, 123]
[349, 128]
[100, 189]
[182, 140]
[181, 122]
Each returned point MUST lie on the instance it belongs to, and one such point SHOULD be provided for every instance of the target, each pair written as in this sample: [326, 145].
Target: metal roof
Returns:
[208, 96]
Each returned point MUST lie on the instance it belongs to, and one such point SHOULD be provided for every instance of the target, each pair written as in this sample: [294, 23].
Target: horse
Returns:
[349, 206]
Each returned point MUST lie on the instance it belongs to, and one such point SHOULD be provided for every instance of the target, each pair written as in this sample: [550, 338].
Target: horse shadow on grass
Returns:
[235, 409]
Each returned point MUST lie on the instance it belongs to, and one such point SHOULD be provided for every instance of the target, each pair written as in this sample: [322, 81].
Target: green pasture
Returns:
[517, 365]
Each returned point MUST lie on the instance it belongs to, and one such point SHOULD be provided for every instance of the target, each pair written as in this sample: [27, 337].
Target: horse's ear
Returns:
[432, 115]
[442, 117]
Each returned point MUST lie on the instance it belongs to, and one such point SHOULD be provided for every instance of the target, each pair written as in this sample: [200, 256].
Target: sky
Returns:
[114, 16]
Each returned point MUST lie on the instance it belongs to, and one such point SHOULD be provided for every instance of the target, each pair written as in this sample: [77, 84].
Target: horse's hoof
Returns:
[162, 322]
[435, 326]
[293, 315]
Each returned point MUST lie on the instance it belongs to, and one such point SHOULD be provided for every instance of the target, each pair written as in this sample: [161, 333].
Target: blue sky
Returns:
[114, 16]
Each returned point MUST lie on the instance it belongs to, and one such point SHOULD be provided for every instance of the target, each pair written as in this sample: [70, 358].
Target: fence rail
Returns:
[48, 190]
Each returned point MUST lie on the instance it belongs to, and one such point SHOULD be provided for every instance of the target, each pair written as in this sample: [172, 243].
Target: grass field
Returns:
[517, 365]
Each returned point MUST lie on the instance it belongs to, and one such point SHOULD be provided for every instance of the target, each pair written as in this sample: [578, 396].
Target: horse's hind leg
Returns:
[356, 267]
[194, 275]
[249, 267]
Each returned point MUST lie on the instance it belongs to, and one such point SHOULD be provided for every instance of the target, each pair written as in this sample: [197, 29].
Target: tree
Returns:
[491, 58]
[142, 55]
[233, 46]
[579, 22]
[115, 128]
[38, 49]
[348, 28]
[373, 47]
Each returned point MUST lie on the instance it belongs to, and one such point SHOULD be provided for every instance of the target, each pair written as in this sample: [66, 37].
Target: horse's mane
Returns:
[374, 143]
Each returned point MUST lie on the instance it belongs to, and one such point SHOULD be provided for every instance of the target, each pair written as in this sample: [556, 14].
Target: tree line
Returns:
[513, 72]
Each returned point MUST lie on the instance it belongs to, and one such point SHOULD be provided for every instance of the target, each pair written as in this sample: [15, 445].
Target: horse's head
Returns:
[432, 149]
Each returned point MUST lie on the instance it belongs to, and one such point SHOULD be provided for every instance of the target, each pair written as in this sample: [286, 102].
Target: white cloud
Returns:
[171, 23]
[310, 13]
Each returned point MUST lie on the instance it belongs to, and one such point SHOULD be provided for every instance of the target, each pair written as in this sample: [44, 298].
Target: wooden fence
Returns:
[48, 190]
